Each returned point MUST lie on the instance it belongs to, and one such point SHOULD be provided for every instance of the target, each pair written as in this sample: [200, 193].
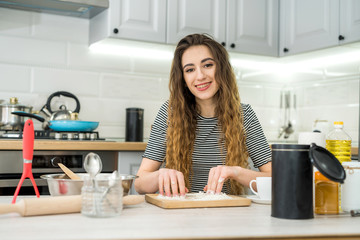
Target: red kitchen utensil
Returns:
[28, 150]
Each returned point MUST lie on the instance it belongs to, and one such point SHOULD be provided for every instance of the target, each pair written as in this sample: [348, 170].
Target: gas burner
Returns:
[49, 134]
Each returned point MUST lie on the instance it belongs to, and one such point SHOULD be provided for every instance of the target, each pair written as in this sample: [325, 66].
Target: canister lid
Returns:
[327, 163]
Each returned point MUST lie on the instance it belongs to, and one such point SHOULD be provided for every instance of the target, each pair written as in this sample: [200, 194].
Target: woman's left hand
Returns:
[217, 176]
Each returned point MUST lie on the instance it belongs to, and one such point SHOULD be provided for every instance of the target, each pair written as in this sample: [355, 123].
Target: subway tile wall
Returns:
[42, 53]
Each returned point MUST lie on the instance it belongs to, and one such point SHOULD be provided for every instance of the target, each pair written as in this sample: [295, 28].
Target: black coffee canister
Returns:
[292, 177]
[134, 131]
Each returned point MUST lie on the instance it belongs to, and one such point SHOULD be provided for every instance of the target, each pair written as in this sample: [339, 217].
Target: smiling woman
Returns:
[203, 134]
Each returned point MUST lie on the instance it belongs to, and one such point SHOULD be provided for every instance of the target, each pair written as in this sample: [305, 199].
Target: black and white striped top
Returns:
[207, 152]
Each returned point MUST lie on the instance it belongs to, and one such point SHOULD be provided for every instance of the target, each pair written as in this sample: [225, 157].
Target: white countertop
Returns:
[146, 221]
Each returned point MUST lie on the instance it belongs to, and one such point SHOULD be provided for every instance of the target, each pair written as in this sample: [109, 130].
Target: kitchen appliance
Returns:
[54, 135]
[28, 149]
[73, 8]
[134, 125]
[9, 121]
[11, 167]
[292, 174]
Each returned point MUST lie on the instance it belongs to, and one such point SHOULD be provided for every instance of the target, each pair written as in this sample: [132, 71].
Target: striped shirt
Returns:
[207, 152]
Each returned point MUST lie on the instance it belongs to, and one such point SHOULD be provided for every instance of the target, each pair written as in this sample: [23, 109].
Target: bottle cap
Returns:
[339, 123]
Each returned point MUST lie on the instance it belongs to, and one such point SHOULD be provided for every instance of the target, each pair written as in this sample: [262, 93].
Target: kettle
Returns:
[63, 113]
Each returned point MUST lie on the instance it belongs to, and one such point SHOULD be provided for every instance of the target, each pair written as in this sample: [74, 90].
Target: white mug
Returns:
[263, 185]
[312, 137]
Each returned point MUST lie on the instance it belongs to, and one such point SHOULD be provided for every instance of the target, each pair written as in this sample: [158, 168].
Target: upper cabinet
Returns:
[201, 16]
[239, 25]
[252, 26]
[264, 27]
[349, 21]
[131, 19]
[307, 25]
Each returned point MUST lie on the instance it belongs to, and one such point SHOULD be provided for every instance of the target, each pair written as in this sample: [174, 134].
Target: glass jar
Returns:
[326, 195]
[102, 197]
[350, 193]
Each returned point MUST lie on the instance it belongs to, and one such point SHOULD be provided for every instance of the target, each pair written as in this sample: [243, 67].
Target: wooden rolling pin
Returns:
[55, 205]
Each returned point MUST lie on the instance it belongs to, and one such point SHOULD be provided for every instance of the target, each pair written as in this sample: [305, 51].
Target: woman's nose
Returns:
[200, 74]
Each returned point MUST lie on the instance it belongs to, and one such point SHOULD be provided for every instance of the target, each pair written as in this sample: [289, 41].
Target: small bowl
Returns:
[61, 186]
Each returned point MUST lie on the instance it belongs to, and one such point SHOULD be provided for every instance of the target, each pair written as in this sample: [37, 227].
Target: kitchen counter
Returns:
[146, 221]
[15, 144]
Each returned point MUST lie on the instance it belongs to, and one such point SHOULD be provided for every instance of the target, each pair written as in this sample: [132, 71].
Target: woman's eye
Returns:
[208, 65]
[189, 70]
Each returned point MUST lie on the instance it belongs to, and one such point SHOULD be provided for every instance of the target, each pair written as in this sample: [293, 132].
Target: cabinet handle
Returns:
[286, 50]
[232, 45]
[223, 43]
[116, 30]
[341, 37]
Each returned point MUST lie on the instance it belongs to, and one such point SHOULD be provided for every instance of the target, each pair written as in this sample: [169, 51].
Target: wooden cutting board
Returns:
[235, 201]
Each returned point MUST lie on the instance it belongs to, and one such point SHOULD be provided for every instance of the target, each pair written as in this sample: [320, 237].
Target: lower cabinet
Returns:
[129, 163]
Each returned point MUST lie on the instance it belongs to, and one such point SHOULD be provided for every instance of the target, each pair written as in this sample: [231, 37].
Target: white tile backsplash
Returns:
[84, 83]
[15, 78]
[15, 23]
[42, 54]
[32, 52]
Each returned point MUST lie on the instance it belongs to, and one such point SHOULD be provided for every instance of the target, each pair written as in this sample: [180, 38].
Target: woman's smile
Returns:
[203, 86]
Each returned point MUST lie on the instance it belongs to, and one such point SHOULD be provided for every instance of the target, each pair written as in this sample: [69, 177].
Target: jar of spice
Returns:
[350, 194]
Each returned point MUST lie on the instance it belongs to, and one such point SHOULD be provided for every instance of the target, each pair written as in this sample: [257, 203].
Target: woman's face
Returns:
[199, 72]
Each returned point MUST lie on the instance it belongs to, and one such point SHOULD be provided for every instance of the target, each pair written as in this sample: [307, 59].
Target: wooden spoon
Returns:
[68, 172]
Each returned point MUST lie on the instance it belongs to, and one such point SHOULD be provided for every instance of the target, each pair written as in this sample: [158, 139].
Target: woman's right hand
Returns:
[171, 181]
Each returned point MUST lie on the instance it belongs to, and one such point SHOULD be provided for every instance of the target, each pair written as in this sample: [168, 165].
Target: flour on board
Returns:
[200, 196]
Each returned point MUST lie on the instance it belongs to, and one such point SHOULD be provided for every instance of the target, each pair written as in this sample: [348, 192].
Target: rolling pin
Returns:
[55, 205]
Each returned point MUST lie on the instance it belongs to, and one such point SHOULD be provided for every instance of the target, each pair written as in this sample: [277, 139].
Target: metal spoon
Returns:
[93, 166]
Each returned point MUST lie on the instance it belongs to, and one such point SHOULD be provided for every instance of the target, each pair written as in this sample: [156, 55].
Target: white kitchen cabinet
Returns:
[252, 26]
[129, 163]
[186, 17]
[307, 25]
[143, 20]
[263, 27]
[349, 21]
[247, 26]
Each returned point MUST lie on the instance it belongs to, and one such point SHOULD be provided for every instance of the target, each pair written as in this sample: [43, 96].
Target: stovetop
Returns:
[49, 134]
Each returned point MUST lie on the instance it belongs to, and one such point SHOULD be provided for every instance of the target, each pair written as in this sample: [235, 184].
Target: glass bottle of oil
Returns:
[327, 192]
[338, 142]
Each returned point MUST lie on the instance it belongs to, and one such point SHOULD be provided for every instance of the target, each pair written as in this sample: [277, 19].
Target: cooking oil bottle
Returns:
[338, 142]
[327, 192]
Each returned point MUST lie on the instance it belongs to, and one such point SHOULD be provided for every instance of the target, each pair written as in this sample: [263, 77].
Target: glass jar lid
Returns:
[327, 163]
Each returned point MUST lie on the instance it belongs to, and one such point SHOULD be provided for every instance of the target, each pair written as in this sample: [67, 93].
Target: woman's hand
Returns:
[218, 175]
[171, 181]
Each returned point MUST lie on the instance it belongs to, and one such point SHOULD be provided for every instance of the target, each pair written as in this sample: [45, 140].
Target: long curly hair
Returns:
[183, 112]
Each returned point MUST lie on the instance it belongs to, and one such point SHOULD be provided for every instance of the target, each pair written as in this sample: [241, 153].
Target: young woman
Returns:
[203, 136]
